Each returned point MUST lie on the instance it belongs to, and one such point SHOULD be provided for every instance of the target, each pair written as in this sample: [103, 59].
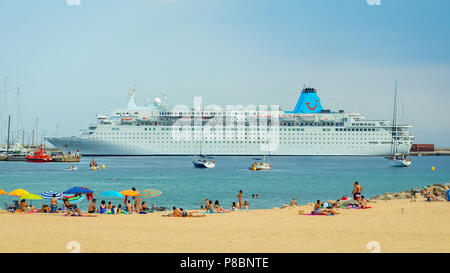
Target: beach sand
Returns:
[422, 227]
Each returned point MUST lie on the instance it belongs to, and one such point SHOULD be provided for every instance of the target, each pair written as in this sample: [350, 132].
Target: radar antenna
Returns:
[131, 94]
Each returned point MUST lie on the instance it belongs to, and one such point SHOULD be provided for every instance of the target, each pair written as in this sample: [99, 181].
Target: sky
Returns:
[73, 62]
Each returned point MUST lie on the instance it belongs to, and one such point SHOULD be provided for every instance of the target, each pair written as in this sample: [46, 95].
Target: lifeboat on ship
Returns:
[39, 156]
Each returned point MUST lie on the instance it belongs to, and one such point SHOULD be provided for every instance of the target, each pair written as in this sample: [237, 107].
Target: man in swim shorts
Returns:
[357, 190]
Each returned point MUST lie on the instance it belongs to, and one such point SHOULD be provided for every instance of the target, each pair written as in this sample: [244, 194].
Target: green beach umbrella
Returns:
[31, 196]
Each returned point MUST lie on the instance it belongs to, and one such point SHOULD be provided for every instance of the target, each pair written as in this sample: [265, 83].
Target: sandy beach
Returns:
[421, 227]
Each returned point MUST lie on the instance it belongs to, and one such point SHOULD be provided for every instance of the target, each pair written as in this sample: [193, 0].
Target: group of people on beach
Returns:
[432, 194]
[209, 207]
[321, 208]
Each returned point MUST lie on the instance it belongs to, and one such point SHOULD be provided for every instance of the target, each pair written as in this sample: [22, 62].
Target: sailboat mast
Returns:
[394, 120]
[7, 139]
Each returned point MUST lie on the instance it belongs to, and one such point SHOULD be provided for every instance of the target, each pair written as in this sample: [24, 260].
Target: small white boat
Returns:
[72, 168]
[260, 165]
[400, 161]
[204, 162]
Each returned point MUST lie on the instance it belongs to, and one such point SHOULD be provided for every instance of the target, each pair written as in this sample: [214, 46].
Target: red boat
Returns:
[39, 156]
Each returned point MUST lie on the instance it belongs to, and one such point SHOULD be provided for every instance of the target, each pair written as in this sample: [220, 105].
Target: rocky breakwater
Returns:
[412, 193]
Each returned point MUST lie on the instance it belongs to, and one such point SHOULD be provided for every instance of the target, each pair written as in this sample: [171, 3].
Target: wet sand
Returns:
[421, 227]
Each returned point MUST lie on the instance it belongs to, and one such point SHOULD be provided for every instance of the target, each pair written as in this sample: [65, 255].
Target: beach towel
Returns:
[359, 208]
[309, 214]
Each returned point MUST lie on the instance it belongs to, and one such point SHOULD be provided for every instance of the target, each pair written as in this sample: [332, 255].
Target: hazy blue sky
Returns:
[74, 62]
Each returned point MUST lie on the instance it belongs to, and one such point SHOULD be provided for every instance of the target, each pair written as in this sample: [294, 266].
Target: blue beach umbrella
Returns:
[111, 194]
[49, 195]
[78, 190]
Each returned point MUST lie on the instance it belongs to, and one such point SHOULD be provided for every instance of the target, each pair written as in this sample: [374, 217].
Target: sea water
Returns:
[305, 178]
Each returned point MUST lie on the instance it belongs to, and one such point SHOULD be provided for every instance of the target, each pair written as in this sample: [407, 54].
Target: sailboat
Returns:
[261, 164]
[203, 161]
[397, 159]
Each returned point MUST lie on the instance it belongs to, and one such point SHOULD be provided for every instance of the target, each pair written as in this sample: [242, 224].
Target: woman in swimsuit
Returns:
[217, 207]
[103, 207]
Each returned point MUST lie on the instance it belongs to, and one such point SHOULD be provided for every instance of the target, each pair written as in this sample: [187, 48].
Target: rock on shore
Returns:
[412, 193]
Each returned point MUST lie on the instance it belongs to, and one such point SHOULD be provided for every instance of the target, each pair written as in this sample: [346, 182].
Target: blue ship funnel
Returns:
[308, 102]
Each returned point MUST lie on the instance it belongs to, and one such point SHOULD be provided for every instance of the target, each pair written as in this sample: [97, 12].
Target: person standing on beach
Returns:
[53, 203]
[239, 196]
[357, 190]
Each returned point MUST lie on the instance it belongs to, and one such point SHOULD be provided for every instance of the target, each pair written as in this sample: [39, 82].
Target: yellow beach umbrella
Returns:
[31, 196]
[129, 193]
[2, 192]
[18, 192]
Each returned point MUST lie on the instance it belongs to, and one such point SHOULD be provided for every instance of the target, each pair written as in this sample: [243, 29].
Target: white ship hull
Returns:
[291, 143]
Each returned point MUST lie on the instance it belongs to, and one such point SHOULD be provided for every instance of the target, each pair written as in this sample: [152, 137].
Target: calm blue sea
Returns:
[304, 178]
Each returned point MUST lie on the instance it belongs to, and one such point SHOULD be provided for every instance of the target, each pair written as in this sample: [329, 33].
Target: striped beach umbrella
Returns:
[150, 193]
[73, 198]
[49, 195]
[2, 192]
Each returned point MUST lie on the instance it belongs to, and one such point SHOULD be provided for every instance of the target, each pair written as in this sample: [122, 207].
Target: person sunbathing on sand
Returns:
[337, 204]
[23, 206]
[362, 203]
[217, 207]
[429, 194]
[176, 212]
[437, 194]
[31, 209]
[45, 208]
[319, 211]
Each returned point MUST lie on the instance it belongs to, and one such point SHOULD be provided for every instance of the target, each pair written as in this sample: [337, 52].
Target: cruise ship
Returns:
[157, 129]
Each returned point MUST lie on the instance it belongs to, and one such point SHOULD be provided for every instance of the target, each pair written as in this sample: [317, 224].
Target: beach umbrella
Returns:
[150, 193]
[49, 195]
[18, 192]
[76, 199]
[31, 196]
[2, 192]
[78, 190]
[112, 194]
[129, 193]
[81, 190]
